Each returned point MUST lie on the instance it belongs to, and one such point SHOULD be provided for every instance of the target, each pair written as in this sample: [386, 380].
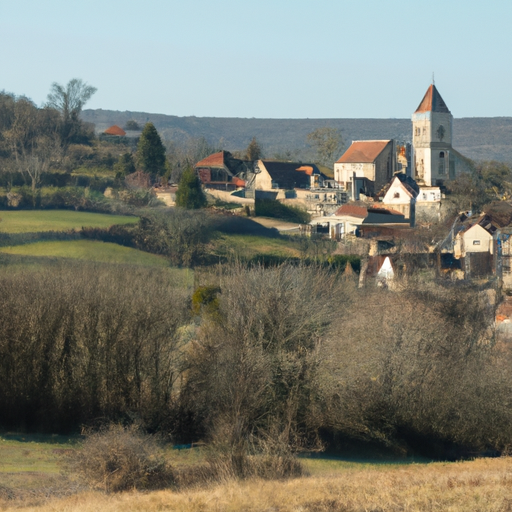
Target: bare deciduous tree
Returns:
[69, 100]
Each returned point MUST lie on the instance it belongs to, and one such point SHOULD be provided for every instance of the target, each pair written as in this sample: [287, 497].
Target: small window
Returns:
[397, 195]
[442, 168]
[476, 242]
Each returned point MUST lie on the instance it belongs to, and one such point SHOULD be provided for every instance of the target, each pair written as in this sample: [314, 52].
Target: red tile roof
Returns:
[307, 169]
[215, 160]
[115, 130]
[363, 151]
[350, 209]
[238, 182]
[432, 102]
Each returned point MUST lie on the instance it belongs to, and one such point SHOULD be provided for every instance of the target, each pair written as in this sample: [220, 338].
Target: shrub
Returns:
[269, 208]
[268, 455]
[179, 234]
[118, 458]
[205, 297]
[190, 194]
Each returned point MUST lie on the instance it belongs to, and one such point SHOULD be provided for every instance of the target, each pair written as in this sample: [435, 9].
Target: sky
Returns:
[265, 58]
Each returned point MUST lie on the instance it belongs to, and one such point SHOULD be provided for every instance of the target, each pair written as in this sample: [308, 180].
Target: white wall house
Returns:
[472, 240]
[400, 197]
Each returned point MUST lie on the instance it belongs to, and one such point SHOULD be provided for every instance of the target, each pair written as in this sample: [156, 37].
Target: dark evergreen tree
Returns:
[125, 165]
[151, 151]
[190, 194]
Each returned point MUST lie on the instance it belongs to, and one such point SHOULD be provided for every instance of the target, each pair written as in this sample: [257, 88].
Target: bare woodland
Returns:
[282, 360]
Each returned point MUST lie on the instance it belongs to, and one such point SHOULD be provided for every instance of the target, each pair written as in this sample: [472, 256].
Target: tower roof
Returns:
[432, 102]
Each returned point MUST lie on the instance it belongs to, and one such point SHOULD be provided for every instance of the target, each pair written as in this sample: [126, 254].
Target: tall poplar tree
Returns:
[151, 151]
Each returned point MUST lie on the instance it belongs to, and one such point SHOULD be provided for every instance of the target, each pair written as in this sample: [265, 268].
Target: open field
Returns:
[247, 246]
[31, 221]
[90, 250]
[29, 473]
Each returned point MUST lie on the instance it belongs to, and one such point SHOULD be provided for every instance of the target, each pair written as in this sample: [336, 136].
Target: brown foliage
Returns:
[416, 370]
[116, 459]
[82, 341]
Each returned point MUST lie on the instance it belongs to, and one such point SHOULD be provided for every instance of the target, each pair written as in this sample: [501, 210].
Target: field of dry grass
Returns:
[480, 485]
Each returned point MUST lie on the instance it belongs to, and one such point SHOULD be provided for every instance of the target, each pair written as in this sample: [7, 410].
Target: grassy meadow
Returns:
[32, 479]
[90, 250]
[247, 246]
[31, 221]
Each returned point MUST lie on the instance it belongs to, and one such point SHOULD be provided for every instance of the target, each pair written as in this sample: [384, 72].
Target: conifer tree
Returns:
[253, 151]
[190, 194]
[151, 151]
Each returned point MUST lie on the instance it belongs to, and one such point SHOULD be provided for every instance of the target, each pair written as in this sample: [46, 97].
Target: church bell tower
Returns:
[432, 140]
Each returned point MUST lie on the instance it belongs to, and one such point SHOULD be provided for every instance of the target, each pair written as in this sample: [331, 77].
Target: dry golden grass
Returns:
[481, 485]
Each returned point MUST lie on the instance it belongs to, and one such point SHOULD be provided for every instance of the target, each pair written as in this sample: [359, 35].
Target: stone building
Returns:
[435, 160]
[366, 167]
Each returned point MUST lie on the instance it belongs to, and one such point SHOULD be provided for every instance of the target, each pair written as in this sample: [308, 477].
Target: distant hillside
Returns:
[479, 138]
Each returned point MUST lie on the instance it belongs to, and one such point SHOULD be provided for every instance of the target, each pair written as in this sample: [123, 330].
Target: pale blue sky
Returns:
[265, 58]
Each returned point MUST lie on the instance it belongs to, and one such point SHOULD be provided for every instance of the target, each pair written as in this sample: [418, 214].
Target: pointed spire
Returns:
[432, 102]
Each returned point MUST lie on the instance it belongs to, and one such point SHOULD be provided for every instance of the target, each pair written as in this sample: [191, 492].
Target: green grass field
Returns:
[90, 250]
[250, 245]
[31, 221]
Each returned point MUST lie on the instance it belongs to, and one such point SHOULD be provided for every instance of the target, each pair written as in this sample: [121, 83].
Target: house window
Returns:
[476, 242]
[397, 195]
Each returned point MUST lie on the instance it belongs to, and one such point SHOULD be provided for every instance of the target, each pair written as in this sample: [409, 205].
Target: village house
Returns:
[222, 171]
[270, 175]
[401, 196]
[414, 202]
[296, 184]
[471, 241]
[355, 220]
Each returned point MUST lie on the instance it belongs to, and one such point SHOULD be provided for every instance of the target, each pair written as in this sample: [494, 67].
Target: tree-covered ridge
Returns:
[478, 138]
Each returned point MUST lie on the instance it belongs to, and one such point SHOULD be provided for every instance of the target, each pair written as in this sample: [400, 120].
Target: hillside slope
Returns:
[479, 138]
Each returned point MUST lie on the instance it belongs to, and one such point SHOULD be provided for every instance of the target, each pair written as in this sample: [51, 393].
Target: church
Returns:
[367, 166]
[434, 160]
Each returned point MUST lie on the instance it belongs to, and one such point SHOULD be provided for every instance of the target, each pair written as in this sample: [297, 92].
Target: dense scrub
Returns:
[82, 343]
[116, 458]
[273, 361]
[269, 208]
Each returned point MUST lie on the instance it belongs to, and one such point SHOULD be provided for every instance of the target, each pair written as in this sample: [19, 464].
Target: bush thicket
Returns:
[84, 341]
[269, 208]
[116, 458]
